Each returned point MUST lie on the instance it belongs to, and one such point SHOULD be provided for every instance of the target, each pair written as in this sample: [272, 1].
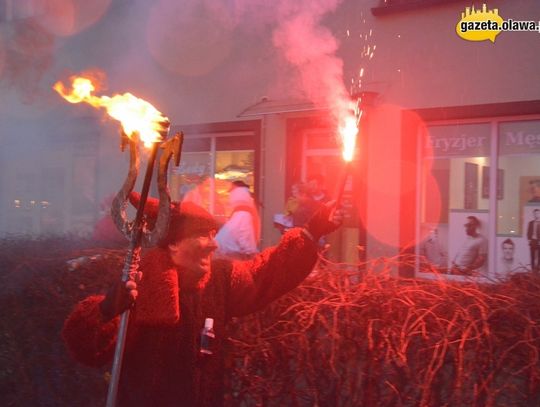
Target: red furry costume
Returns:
[162, 364]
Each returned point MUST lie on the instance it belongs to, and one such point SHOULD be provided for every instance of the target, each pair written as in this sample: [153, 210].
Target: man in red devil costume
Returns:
[181, 286]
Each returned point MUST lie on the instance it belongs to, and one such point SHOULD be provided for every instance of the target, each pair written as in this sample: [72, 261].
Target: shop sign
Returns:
[471, 140]
[519, 137]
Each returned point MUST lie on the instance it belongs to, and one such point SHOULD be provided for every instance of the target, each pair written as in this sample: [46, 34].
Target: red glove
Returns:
[324, 221]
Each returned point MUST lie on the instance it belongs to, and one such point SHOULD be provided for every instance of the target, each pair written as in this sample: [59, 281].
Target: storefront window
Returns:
[454, 211]
[191, 178]
[519, 197]
[232, 166]
[464, 215]
[208, 166]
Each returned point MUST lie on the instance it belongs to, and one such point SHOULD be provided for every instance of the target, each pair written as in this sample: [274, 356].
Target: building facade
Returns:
[449, 133]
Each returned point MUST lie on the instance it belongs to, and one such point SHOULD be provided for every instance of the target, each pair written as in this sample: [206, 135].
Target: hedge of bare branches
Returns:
[38, 288]
[344, 338]
[350, 338]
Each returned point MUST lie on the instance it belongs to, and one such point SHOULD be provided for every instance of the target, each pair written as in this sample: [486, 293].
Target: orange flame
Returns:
[348, 130]
[136, 115]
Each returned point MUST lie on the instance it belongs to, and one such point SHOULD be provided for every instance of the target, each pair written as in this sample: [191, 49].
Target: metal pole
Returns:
[134, 246]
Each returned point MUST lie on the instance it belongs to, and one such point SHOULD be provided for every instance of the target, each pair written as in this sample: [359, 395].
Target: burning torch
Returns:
[140, 122]
[348, 132]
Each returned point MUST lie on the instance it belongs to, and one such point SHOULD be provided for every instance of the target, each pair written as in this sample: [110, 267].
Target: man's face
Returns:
[470, 228]
[508, 251]
[537, 214]
[313, 186]
[193, 256]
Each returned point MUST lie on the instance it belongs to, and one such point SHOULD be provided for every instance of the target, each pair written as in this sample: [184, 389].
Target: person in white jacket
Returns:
[239, 236]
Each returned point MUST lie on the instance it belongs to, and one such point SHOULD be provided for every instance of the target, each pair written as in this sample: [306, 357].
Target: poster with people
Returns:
[468, 243]
[531, 235]
[433, 248]
[511, 257]
[461, 247]
[520, 253]
[529, 196]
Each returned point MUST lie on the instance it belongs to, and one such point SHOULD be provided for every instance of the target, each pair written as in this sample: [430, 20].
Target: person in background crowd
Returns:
[182, 288]
[302, 206]
[293, 202]
[239, 236]
[284, 221]
[316, 189]
[319, 197]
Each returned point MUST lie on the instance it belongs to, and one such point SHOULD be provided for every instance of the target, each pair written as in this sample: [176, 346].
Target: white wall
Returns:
[383, 191]
[273, 174]
[420, 61]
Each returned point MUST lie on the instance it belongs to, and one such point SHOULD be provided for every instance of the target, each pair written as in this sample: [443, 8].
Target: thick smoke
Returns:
[28, 55]
[195, 60]
[311, 48]
[296, 29]
[32, 32]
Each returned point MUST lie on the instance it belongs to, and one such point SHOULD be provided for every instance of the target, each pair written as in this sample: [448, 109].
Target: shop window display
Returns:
[519, 153]
[456, 190]
[454, 213]
[208, 167]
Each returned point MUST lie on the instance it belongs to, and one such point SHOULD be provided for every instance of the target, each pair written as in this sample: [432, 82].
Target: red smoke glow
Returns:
[311, 48]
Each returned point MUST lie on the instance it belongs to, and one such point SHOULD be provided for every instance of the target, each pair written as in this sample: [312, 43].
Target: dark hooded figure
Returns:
[182, 286]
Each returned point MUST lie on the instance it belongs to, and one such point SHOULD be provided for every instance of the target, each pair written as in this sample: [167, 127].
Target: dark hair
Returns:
[508, 241]
[474, 220]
